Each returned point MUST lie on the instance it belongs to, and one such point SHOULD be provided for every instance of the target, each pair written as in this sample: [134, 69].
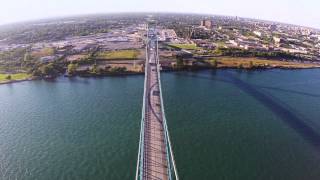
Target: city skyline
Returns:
[292, 12]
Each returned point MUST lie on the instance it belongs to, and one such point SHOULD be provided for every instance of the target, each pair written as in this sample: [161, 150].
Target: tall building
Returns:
[273, 27]
[206, 23]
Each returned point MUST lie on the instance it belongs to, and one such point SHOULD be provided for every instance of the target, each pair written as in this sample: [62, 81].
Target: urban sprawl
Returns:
[114, 44]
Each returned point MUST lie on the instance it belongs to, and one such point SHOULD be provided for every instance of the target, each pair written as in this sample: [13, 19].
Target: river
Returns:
[224, 124]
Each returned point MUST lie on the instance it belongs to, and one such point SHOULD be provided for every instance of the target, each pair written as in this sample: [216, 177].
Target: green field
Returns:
[19, 76]
[121, 54]
[185, 46]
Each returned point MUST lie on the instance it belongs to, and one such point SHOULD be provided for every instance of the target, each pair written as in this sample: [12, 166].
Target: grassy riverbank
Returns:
[185, 46]
[238, 62]
[131, 69]
[120, 54]
[6, 78]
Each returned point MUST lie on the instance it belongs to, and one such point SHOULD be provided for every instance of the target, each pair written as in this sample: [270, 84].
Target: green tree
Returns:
[95, 69]
[251, 65]
[45, 70]
[179, 61]
[118, 69]
[8, 77]
[36, 72]
[218, 51]
[214, 63]
[72, 68]
[49, 70]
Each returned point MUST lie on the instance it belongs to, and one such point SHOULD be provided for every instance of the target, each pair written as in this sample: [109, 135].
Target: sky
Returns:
[300, 12]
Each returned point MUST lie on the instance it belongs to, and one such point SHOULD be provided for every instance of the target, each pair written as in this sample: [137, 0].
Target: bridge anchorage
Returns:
[155, 156]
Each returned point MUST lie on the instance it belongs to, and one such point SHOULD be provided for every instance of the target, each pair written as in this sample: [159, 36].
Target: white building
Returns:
[257, 33]
[276, 39]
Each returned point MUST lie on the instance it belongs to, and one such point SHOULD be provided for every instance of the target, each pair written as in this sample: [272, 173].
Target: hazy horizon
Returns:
[291, 12]
[61, 17]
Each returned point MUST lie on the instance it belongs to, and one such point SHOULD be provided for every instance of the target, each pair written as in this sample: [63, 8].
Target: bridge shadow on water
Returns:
[297, 123]
[290, 91]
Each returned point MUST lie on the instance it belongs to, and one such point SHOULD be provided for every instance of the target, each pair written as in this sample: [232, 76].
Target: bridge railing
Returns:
[172, 170]
[140, 159]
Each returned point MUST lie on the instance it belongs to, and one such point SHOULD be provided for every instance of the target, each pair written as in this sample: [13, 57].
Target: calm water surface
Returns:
[224, 124]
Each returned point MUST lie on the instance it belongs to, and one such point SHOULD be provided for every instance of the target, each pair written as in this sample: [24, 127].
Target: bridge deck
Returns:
[155, 154]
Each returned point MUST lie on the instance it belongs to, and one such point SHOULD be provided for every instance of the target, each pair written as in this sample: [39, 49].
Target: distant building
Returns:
[305, 32]
[233, 42]
[47, 59]
[257, 33]
[273, 27]
[278, 40]
[206, 23]
[167, 35]
[294, 50]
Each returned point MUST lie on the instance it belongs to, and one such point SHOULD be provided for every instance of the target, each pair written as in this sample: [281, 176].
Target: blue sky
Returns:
[301, 12]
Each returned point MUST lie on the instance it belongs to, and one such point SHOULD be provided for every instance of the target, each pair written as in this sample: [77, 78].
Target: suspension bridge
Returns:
[155, 156]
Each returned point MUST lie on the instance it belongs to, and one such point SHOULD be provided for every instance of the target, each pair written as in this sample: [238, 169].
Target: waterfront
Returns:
[224, 124]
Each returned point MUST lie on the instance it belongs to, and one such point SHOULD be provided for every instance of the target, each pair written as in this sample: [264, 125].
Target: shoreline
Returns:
[15, 81]
[190, 68]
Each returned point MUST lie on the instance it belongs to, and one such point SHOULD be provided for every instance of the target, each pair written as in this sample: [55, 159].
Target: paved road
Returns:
[155, 154]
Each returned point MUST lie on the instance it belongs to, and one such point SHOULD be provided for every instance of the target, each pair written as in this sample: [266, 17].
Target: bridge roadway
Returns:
[155, 163]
